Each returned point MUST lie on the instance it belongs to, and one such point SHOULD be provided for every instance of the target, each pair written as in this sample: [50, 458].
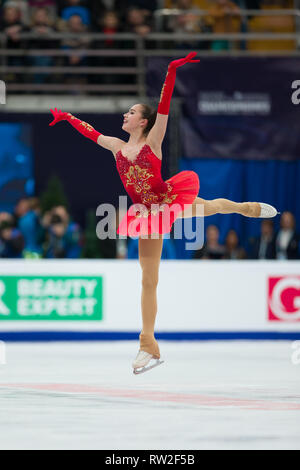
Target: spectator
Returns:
[22, 6]
[122, 8]
[212, 249]
[138, 22]
[141, 24]
[41, 27]
[99, 7]
[30, 227]
[222, 19]
[64, 238]
[188, 21]
[6, 217]
[108, 23]
[168, 250]
[12, 26]
[49, 5]
[75, 44]
[147, 8]
[46, 220]
[233, 250]
[263, 247]
[63, 213]
[56, 243]
[11, 240]
[74, 7]
[287, 238]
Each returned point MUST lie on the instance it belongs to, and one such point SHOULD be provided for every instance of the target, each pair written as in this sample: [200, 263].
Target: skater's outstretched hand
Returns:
[58, 116]
[179, 62]
[83, 127]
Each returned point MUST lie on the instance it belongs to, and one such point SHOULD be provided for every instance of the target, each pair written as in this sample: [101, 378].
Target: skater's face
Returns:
[133, 119]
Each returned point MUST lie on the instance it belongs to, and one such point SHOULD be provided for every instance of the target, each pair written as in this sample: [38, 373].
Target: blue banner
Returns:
[237, 108]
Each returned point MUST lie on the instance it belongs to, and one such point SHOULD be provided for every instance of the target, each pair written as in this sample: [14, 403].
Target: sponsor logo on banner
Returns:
[235, 104]
[50, 298]
[284, 298]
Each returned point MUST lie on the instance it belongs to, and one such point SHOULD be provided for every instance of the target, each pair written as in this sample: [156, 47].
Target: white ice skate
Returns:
[142, 362]
[267, 211]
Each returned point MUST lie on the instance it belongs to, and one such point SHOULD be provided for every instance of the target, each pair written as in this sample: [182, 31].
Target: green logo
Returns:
[51, 298]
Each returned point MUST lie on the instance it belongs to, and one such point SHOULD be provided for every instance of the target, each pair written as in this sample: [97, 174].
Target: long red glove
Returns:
[168, 87]
[83, 127]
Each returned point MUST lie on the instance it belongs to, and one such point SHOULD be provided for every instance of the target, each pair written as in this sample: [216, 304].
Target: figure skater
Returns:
[138, 162]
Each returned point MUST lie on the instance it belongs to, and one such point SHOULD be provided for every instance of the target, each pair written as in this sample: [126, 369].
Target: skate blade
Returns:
[146, 368]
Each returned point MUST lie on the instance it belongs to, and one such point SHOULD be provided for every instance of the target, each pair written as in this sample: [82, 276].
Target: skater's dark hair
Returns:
[148, 113]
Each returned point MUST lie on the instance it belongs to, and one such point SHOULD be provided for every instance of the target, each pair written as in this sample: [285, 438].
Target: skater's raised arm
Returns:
[109, 143]
[157, 133]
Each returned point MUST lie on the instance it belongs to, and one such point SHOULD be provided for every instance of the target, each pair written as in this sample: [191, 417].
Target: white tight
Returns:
[222, 206]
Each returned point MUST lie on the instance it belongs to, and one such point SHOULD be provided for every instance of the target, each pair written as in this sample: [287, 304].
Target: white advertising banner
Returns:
[193, 296]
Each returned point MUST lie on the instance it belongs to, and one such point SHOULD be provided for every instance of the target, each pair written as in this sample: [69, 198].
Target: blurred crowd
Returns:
[283, 244]
[29, 233]
[43, 17]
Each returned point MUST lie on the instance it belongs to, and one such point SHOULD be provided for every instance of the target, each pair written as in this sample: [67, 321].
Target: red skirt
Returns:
[159, 218]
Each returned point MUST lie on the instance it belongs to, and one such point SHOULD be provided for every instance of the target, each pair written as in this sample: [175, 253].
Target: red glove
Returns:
[168, 87]
[58, 116]
[83, 127]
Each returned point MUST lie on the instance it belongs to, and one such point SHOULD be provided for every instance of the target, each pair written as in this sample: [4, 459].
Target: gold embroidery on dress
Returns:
[138, 178]
[149, 197]
[168, 198]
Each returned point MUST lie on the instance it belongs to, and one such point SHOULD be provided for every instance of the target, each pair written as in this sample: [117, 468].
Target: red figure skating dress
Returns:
[157, 203]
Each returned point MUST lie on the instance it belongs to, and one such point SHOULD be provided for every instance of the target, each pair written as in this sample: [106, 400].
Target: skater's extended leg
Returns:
[149, 257]
[225, 206]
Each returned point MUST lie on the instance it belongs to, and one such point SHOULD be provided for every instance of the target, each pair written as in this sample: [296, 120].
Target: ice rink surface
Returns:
[207, 395]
